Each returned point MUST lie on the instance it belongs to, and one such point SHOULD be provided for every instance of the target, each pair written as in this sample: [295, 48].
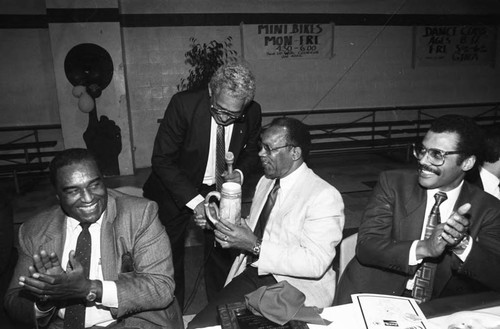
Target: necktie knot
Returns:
[276, 185]
[440, 197]
[85, 226]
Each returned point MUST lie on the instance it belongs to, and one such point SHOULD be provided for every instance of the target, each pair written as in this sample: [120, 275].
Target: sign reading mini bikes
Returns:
[279, 41]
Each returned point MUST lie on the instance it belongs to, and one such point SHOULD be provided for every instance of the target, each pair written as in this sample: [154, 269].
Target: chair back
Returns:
[347, 251]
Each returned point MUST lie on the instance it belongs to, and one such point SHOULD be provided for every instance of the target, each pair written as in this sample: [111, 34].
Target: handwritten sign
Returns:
[454, 45]
[281, 41]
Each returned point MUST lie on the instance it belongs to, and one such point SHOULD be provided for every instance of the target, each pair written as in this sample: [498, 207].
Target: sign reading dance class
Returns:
[454, 45]
[282, 41]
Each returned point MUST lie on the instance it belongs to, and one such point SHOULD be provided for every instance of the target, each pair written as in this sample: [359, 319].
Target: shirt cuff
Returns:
[463, 255]
[40, 314]
[109, 294]
[195, 201]
[241, 174]
[412, 258]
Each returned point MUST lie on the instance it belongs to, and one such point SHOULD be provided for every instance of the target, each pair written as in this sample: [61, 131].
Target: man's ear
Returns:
[209, 91]
[296, 153]
[468, 163]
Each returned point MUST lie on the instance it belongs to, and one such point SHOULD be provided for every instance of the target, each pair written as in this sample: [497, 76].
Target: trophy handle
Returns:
[214, 206]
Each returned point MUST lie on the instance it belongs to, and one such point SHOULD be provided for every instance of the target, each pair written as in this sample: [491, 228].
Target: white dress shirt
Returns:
[99, 314]
[209, 177]
[490, 182]
[445, 210]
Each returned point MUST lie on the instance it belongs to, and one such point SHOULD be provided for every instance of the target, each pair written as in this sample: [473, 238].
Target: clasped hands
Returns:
[446, 235]
[238, 235]
[228, 235]
[48, 282]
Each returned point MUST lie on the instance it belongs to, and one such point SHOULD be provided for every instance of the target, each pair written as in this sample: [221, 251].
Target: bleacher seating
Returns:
[26, 154]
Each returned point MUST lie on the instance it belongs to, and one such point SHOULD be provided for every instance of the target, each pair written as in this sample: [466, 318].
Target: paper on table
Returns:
[386, 311]
[488, 318]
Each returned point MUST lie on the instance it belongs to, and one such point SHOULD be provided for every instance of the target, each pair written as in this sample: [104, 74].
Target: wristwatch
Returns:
[92, 295]
[256, 247]
[464, 243]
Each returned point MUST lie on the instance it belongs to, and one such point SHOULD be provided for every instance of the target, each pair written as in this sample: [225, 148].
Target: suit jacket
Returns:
[181, 147]
[300, 238]
[394, 219]
[130, 227]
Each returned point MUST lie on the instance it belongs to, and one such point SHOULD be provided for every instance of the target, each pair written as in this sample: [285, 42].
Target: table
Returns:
[481, 310]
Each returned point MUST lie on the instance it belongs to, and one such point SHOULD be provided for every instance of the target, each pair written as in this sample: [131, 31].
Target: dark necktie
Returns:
[424, 279]
[74, 317]
[266, 211]
[220, 162]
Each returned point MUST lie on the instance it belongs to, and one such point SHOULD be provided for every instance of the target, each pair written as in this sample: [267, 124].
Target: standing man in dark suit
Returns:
[184, 154]
[99, 259]
[393, 243]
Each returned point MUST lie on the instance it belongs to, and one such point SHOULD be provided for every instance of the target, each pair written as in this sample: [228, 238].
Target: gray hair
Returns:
[236, 79]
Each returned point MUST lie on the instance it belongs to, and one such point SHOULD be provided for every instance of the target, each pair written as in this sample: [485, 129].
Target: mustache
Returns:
[427, 168]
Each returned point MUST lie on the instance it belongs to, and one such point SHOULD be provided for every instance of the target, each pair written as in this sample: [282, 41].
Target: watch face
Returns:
[91, 296]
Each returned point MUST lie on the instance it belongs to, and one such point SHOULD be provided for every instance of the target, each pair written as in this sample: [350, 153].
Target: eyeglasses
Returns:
[220, 111]
[436, 157]
[269, 150]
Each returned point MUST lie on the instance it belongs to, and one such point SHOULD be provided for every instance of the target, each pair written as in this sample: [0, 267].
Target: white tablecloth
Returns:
[345, 316]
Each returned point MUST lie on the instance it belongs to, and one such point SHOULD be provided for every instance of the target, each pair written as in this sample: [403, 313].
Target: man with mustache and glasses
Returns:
[99, 259]
[427, 233]
[184, 166]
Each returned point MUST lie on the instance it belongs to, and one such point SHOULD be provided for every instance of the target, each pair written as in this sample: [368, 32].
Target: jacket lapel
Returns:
[109, 254]
[55, 234]
[259, 199]
[413, 220]
[239, 129]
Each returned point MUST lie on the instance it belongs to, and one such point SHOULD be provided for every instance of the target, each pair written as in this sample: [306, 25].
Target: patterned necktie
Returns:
[220, 161]
[74, 317]
[266, 211]
[424, 279]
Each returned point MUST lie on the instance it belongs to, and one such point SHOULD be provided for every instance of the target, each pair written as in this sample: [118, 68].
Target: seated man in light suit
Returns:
[302, 230]
[101, 256]
[460, 252]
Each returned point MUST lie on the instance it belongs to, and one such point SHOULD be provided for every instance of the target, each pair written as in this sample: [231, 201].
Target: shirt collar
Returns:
[74, 224]
[489, 180]
[287, 182]
[452, 195]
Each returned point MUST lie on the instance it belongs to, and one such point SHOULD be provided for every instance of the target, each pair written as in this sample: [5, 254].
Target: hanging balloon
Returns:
[78, 91]
[85, 103]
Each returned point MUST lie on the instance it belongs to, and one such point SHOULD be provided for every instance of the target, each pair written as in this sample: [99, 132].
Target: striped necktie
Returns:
[424, 279]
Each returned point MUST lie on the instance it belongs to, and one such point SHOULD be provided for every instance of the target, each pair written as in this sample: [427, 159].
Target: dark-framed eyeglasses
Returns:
[268, 150]
[436, 157]
[220, 111]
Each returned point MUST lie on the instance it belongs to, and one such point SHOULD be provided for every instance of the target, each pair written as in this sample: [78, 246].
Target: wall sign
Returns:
[282, 41]
[454, 45]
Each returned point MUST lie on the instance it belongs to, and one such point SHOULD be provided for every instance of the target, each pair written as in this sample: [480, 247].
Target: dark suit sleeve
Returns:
[248, 157]
[483, 262]
[169, 141]
[378, 244]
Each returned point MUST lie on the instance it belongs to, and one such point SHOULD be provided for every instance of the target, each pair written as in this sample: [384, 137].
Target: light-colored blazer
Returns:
[300, 238]
[130, 227]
